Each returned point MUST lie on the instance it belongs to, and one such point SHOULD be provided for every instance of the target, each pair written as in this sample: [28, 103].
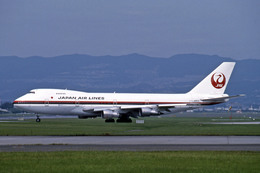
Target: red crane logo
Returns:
[218, 80]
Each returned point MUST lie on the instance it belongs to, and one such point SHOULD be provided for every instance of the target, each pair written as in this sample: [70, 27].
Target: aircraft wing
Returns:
[99, 109]
[134, 108]
[3, 110]
[140, 110]
[148, 106]
[160, 108]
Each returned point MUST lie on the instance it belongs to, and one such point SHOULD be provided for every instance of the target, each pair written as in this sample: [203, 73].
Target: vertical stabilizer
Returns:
[216, 82]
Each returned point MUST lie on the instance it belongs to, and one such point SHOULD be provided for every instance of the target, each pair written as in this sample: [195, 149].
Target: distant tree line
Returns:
[7, 105]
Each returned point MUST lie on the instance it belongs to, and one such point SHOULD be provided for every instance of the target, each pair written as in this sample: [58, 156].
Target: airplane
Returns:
[209, 91]
[3, 110]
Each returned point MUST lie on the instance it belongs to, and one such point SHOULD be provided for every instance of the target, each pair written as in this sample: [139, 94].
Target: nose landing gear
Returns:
[38, 119]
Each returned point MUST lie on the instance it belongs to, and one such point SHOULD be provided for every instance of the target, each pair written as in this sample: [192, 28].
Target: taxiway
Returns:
[129, 143]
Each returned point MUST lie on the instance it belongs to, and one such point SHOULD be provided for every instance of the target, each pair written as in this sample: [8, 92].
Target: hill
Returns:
[127, 73]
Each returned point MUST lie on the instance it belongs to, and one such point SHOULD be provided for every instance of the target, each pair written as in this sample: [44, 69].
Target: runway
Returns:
[233, 123]
[129, 143]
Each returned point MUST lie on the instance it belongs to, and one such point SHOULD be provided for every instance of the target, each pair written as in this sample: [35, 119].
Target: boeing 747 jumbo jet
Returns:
[209, 91]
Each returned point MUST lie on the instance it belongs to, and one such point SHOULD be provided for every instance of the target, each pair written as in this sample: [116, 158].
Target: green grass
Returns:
[152, 126]
[108, 161]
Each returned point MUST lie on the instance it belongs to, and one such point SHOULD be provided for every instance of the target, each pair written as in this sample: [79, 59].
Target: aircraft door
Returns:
[46, 102]
[114, 102]
[191, 99]
[76, 103]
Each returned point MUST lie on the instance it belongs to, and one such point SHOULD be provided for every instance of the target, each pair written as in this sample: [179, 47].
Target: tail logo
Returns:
[218, 80]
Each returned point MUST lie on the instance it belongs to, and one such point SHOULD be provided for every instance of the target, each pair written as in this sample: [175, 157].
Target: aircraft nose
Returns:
[16, 100]
[15, 103]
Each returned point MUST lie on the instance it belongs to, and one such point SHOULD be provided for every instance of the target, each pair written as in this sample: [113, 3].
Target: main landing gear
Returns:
[110, 120]
[119, 120]
[124, 120]
[38, 119]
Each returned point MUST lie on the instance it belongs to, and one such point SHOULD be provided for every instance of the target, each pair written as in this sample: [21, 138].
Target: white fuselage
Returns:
[69, 102]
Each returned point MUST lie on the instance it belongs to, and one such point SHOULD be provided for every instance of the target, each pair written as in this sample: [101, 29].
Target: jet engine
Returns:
[110, 114]
[149, 111]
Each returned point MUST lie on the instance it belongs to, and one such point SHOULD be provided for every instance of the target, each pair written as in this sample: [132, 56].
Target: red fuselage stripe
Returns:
[109, 102]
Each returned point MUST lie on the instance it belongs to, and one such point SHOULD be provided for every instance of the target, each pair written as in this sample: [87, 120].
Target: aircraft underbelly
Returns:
[50, 109]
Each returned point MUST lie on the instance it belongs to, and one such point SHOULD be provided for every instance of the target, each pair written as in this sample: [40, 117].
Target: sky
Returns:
[228, 28]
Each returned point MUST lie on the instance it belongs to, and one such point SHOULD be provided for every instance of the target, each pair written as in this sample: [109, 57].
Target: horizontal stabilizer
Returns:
[221, 99]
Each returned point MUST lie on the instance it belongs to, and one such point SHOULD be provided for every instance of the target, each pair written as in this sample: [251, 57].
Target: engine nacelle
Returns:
[149, 111]
[110, 114]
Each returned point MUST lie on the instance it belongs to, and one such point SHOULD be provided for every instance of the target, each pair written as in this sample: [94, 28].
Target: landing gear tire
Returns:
[38, 120]
[110, 120]
[124, 120]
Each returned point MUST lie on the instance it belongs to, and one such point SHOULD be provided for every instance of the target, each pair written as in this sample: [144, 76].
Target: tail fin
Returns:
[216, 82]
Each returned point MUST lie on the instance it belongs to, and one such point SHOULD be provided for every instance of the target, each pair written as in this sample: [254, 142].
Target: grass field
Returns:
[127, 161]
[96, 161]
[152, 126]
